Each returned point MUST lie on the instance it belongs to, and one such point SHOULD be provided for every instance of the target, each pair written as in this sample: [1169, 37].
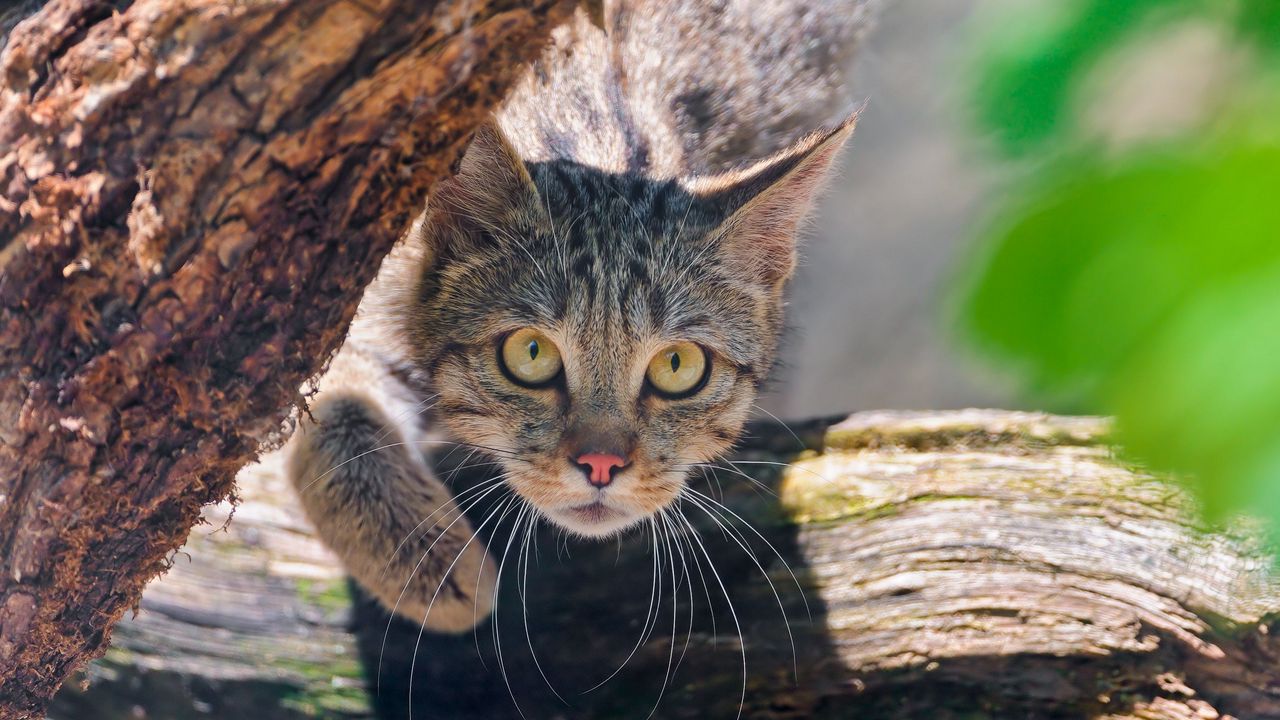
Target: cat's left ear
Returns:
[492, 181]
[491, 190]
[766, 203]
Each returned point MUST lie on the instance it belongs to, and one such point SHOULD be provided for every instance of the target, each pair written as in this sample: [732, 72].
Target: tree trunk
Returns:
[956, 565]
[193, 194]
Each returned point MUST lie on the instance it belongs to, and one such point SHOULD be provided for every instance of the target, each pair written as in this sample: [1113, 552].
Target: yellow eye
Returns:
[678, 368]
[530, 357]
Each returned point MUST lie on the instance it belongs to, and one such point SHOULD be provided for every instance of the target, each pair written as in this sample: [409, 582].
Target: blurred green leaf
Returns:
[1150, 288]
[1030, 58]
[1260, 21]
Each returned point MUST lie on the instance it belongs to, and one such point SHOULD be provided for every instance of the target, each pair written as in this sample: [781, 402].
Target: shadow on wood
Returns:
[957, 565]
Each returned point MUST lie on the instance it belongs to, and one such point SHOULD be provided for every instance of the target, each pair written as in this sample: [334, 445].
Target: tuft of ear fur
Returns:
[766, 203]
[491, 190]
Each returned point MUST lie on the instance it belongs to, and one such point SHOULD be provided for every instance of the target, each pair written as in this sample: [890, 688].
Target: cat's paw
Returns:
[452, 595]
[392, 523]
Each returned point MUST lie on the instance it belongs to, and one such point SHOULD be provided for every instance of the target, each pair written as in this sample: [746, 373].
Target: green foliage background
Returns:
[1139, 280]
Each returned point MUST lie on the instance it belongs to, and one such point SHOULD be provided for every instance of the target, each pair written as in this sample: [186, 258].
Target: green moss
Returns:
[329, 595]
[119, 656]
[807, 498]
[959, 433]
[339, 669]
[336, 700]
[810, 499]
[329, 689]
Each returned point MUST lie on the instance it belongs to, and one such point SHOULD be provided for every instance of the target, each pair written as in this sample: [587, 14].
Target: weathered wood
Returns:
[193, 194]
[957, 565]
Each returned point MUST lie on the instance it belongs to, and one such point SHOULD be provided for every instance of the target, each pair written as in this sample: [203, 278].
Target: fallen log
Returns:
[954, 565]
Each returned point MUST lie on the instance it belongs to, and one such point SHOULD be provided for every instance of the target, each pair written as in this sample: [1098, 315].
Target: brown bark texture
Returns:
[193, 194]
[959, 565]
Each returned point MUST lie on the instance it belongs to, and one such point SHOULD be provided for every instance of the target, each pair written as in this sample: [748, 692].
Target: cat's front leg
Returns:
[386, 515]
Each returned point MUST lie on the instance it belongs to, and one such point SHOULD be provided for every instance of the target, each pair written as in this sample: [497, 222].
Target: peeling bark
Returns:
[956, 565]
[193, 194]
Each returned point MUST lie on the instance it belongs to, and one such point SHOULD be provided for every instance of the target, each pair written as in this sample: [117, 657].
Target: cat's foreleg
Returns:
[377, 505]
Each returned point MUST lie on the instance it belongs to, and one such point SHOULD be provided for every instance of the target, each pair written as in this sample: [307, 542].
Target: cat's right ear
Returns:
[490, 192]
[765, 204]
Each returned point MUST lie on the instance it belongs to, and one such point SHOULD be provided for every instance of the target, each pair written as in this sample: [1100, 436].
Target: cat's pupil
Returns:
[675, 362]
[533, 349]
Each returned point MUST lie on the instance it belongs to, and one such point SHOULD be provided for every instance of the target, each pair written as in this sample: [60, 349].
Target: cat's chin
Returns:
[593, 520]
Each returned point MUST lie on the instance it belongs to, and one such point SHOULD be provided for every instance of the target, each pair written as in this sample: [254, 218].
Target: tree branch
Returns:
[194, 194]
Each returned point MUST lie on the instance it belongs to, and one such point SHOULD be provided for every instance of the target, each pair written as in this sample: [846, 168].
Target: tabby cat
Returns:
[592, 301]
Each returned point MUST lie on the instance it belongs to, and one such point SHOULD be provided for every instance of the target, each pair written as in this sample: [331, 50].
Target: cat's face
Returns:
[600, 335]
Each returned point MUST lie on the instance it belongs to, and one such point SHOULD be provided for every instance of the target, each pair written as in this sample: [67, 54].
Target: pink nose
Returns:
[599, 468]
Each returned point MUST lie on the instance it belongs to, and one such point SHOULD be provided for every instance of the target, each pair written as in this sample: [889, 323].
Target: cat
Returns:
[591, 302]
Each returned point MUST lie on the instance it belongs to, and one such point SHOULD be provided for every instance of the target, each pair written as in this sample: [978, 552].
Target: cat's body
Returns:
[591, 303]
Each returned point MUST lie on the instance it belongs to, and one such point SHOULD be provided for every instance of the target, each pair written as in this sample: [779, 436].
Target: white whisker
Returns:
[530, 538]
[462, 512]
[733, 613]
[741, 542]
[457, 502]
[650, 613]
[388, 446]
[497, 635]
[413, 665]
[671, 649]
[393, 423]
[663, 515]
[799, 442]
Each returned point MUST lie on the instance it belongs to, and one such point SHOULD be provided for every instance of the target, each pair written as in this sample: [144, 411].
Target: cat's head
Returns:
[602, 334]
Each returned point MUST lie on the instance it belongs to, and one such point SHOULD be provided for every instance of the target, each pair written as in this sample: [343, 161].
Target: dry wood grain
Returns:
[956, 565]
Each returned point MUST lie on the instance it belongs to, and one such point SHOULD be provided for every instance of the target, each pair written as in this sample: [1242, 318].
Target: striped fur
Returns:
[641, 187]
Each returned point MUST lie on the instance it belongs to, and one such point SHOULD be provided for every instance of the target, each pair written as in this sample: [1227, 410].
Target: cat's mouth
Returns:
[593, 519]
[595, 512]
[566, 499]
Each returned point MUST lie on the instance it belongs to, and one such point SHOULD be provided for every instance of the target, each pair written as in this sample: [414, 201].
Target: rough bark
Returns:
[193, 194]
[956, 565]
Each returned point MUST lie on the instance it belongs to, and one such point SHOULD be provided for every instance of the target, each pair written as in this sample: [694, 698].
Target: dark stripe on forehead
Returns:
[638, 192]
[658, 203]
[628, 257]
[568, 186]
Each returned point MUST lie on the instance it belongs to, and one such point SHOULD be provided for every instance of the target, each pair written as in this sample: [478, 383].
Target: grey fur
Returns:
[610, 212]
[688, 87]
